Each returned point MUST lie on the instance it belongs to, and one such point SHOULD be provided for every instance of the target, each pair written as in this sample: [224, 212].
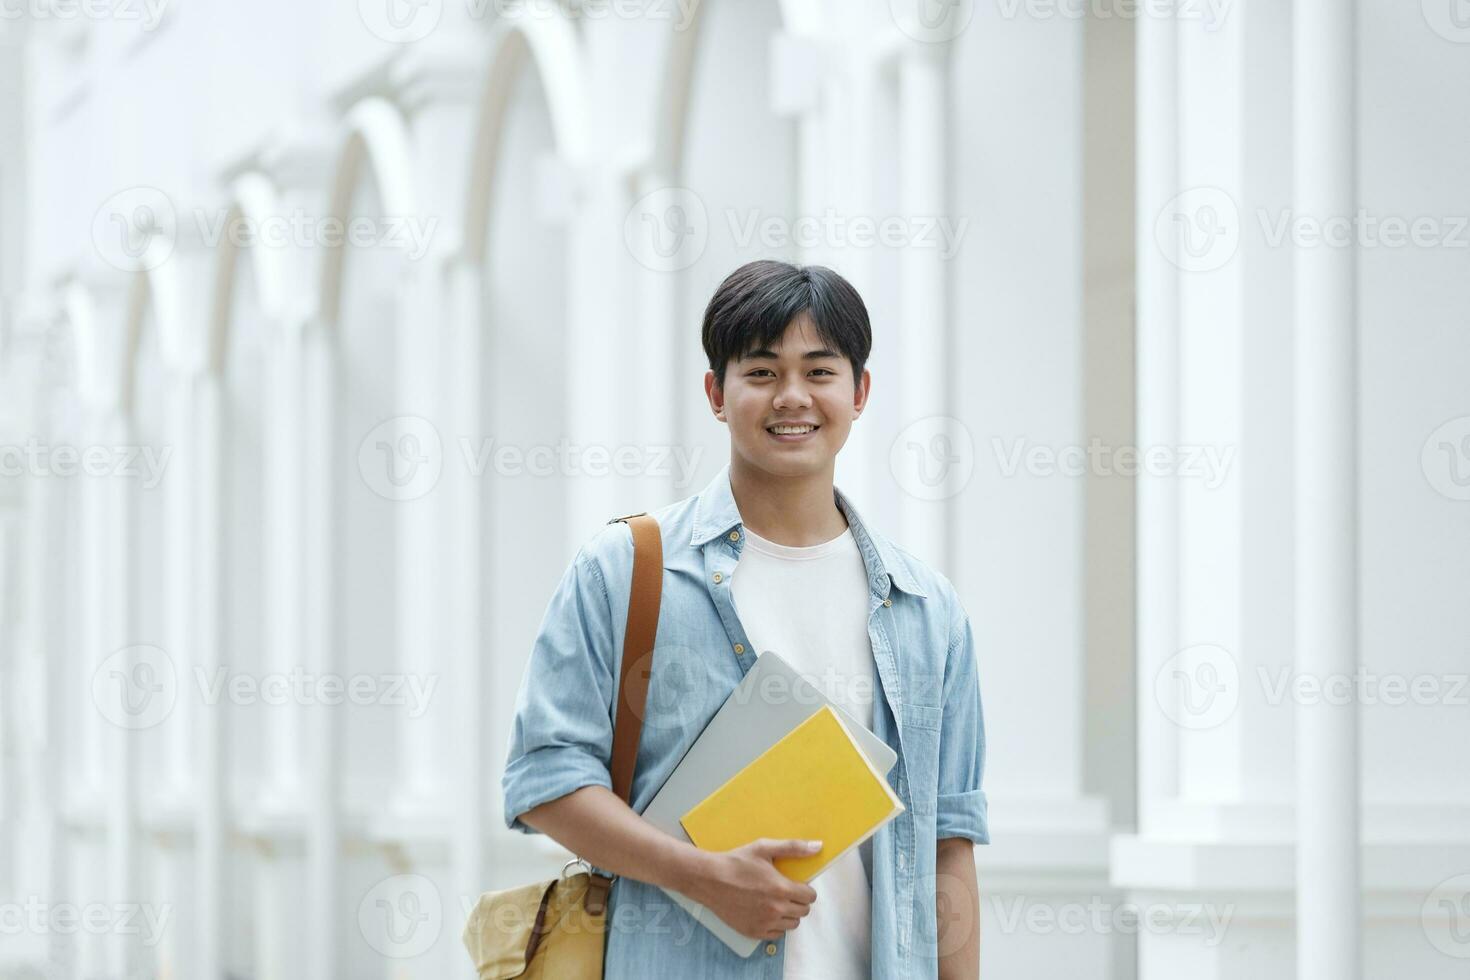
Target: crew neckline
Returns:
[804, 553]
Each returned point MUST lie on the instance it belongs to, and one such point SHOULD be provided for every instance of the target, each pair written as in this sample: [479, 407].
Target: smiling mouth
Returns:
[792, 432]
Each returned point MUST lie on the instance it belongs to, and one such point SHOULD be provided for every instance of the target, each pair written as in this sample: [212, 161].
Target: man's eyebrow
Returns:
[770, 355]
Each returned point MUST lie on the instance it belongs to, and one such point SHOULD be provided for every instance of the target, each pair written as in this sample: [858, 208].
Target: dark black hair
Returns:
[757, 302]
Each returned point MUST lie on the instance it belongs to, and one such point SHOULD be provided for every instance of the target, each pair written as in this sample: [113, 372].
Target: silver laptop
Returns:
[769, 702]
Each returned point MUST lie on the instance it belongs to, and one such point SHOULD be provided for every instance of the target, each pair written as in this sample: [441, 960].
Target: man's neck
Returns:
[794, 511]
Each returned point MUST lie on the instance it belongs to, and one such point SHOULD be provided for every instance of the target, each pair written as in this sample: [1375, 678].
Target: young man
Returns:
[879, 632]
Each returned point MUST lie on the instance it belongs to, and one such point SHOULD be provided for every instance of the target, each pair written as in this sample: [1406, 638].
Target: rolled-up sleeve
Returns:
[960, 810]
[561, 737]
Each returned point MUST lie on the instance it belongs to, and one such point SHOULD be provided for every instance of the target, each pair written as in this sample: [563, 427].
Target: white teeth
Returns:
[791, 430]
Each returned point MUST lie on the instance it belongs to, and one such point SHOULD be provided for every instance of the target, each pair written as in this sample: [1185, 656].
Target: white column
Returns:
[924, 360]
[437, 92]
[98, 799]
[283, 428]
[474, 803]
[1158, 405]
[1020, 304]
[323, 730]
[653, 336]
[177, 774]
[285, 838]
[593, 392]
[1327, 858]
[109, 574]
[1020, 568]
[208, 735]
[34, 556]
[418, 651]
[300, 172]
[178, 763]
[852, 97]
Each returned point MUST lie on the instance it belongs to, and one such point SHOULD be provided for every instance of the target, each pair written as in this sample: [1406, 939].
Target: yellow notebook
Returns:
[814, 784]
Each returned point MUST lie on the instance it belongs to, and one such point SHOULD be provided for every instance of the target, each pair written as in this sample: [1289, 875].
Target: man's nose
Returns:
[793, 393]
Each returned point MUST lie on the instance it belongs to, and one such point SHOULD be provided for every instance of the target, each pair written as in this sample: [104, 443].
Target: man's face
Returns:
[798, 383]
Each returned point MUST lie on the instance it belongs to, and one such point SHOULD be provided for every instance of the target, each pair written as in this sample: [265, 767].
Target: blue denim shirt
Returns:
[929, 712]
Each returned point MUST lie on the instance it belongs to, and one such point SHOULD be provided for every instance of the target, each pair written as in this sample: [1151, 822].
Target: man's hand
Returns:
[746, 891]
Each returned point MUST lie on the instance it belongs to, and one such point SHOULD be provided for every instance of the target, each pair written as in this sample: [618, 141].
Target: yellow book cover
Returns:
[814, 784]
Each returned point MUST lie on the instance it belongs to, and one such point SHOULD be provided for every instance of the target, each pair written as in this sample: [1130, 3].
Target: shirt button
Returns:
[734, 535]
[719, 578]
[740, 648]
[770, 949]
[887, 602]
[902, 861]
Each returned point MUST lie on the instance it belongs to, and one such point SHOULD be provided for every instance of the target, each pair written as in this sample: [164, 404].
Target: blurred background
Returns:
[329, 331]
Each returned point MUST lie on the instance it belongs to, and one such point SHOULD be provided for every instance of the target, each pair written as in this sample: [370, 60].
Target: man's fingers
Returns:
[801, 894]
[788, 848]
[796, 910]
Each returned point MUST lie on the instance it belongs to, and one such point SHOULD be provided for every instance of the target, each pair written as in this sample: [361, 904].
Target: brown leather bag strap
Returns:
[638, 639]
[632, 697]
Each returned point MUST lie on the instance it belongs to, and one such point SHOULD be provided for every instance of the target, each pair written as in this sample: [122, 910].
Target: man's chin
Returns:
[807, 461]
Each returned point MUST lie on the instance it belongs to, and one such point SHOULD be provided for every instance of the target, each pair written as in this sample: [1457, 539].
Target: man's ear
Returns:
[715, 394]
[860, 393]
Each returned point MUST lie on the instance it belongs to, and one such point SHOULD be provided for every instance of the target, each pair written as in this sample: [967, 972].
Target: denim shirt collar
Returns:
[715, 514]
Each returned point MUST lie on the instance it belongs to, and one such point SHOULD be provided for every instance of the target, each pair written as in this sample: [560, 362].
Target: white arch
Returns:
[550, 47]
[159, 287]
[253, 200]
[378, 139]
[803, 17]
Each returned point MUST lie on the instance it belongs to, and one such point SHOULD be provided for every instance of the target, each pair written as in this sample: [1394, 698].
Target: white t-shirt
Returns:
[810, 607]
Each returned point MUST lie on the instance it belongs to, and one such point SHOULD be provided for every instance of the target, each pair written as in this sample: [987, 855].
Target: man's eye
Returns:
[766, 372]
